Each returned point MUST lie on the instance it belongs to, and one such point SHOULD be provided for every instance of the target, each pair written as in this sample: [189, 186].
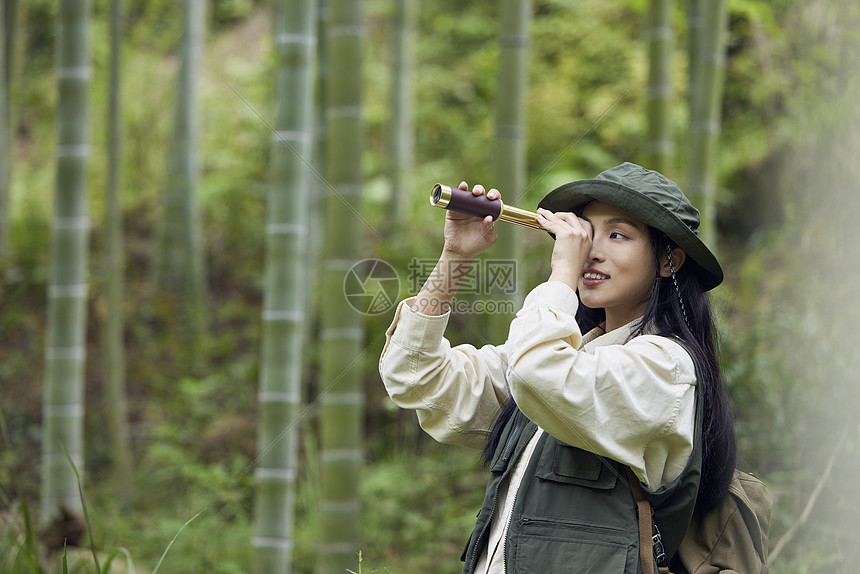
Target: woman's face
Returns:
[620, 269]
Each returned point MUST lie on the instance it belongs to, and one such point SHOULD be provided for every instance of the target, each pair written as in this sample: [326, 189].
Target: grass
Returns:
[27, 546]
[406, 496]
[360, 565]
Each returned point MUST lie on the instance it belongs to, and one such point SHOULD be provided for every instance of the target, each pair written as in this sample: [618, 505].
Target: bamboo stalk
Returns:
[510, 142]
[285, 286]
[660, 145]
[65, 353]
[704, 130]
[341, 331]
[116, 405]
[5, 138]
[402, 116]
[181, 264]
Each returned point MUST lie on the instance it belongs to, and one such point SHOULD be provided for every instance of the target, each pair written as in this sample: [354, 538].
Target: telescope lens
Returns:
[437, 194]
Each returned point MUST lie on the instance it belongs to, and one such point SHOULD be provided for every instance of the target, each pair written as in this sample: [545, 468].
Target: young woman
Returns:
[610, 365]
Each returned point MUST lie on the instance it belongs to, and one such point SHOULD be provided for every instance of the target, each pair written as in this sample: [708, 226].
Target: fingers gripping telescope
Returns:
[462, 201]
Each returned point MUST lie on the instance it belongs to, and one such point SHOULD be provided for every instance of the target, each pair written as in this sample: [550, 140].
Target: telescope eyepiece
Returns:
[441, 195]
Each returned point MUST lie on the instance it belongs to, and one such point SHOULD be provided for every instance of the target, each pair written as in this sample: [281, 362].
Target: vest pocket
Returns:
[558, 546]
[560, 462]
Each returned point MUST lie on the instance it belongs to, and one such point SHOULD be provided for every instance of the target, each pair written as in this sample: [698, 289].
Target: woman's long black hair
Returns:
[693, 323]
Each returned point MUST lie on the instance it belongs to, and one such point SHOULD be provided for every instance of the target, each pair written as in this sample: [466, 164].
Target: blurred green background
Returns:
[786, 213]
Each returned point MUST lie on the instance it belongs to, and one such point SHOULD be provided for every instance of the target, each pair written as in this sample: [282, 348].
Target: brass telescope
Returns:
[462, 201]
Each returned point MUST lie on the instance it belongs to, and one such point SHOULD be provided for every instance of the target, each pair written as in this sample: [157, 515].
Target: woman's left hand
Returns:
[572, 244]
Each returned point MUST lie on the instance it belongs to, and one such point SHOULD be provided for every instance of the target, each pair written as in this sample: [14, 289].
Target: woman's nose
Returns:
[595, 253]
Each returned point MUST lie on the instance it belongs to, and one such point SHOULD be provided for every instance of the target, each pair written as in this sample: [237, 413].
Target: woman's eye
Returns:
[617, 235]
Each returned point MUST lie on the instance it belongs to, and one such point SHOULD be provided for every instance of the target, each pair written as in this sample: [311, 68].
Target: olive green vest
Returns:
[574, 511]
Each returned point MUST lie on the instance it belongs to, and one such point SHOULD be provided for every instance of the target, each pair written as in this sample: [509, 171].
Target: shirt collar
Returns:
[598, 338]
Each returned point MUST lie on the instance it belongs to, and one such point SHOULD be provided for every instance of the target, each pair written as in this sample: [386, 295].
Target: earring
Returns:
[677, 289]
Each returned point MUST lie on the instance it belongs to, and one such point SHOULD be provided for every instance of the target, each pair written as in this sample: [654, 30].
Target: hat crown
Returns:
[656, 187]
[650, 197]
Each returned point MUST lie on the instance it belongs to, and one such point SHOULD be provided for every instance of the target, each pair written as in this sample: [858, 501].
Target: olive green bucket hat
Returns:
[651, 198]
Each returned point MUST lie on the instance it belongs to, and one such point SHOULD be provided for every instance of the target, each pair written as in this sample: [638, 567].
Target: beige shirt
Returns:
[633, 402]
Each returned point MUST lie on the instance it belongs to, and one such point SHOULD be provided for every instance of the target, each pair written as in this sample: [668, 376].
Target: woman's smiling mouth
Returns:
[592, 277]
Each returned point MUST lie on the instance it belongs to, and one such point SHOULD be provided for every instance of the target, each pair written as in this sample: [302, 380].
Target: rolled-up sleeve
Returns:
[632, 402]
[457, 391]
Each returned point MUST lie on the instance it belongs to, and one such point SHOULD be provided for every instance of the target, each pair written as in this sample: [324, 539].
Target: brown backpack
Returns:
[730, 539]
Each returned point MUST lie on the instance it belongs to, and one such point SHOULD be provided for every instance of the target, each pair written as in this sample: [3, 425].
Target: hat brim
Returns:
[573, 196]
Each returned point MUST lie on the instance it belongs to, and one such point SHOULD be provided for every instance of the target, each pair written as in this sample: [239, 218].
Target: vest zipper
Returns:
[505, 534]
[513, 505]
[512, 442]
[506, 453]
[568, 525]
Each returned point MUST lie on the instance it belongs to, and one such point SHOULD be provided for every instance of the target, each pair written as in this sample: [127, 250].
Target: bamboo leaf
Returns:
[175, 536]
[84, 506]
[108, 561]
[29, 545]
[129, 563]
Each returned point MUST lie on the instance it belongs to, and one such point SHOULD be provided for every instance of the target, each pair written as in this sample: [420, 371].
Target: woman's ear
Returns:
[678, 258]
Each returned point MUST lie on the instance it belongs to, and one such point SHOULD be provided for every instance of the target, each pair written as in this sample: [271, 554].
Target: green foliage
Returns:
[192, 478]
[419, 508]
[172, 540]
[84, 506]
[231, 11]
[785, 59]
[113, 554]
[40, 18]
[18, 542]
[790, 360]
[361, 564]
[786, 308]
[154, 24]
[567, 97]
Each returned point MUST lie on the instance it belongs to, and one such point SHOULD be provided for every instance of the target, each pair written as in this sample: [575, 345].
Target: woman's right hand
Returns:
[467, 236]
[573, 241]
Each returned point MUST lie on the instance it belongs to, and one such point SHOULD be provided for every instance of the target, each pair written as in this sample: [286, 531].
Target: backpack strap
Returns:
[650, 542]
